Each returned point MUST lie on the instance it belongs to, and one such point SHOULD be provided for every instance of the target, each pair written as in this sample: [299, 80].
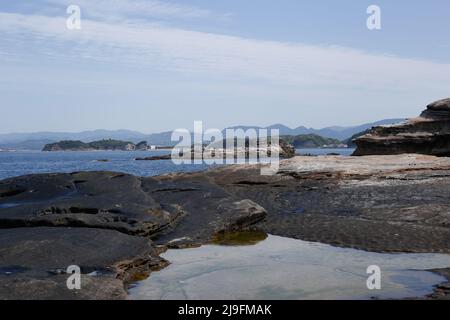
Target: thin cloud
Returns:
[212, 55]
[135, 9]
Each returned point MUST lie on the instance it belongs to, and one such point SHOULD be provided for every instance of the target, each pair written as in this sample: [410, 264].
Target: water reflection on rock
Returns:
[239, 238]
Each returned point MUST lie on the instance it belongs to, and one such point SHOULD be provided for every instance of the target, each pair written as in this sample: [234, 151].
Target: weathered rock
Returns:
[376, 203]
[427, 134]
[285, 150]
[33, 258]
[104, 200]
[209, 208]
[33, 262]
[132, 205]
[437, 110]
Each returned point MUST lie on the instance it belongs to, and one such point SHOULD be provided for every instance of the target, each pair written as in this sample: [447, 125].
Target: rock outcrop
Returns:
[427, 134]
[132, 205]
[104, 222]
[285, 151]
[115, 225]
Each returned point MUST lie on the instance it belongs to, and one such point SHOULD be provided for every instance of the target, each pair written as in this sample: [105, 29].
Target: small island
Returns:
[101, 145]
[306, 141]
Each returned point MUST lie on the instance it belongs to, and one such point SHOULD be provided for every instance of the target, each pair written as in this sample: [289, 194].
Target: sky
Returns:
[159, 65]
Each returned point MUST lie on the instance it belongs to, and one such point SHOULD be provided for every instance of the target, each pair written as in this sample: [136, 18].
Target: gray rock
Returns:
[427, 134]
[132, 205]
[443, 105]
[85, 199]
[33, 262]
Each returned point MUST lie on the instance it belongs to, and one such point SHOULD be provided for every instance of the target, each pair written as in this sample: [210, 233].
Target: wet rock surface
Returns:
[119, 223]
[442, 291]
[34, 261]
[427, 134]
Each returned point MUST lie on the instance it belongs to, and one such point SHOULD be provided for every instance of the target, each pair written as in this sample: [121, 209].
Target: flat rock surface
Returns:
[379, 203]
[108, 200]
[84, 199]
[34, 261]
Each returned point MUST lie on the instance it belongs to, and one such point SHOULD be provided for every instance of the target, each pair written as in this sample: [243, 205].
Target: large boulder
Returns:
[427, 134]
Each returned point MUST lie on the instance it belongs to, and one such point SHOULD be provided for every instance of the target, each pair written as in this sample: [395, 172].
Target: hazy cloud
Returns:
[135, 9]
[192, 52]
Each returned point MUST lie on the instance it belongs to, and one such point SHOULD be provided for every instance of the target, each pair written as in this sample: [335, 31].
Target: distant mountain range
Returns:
[37, 140]
[335, 132]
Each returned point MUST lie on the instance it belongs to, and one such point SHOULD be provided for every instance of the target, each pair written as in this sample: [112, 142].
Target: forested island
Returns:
[101, 145]
[313, 141]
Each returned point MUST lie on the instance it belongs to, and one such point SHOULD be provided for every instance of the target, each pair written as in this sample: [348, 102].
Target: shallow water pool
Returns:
[284, 268]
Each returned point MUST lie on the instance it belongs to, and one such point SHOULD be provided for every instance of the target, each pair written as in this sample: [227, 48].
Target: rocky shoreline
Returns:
[114, 225]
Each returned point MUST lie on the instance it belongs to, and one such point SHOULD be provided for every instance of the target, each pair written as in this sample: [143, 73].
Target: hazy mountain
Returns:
[160, 139]
[343, 133]
[37, 140]
[85, 136]
[25, 145]
[334, 132]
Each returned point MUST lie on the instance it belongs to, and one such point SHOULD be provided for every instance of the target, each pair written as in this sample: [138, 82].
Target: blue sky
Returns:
[159, 65]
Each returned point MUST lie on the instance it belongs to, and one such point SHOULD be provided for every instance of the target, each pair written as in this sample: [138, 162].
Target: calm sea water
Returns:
[13, 164]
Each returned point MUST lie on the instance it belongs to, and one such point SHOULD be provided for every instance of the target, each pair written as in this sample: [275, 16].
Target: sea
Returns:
[18, 163]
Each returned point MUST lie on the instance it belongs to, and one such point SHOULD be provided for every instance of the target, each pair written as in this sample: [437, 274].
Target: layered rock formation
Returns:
[427, 134]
